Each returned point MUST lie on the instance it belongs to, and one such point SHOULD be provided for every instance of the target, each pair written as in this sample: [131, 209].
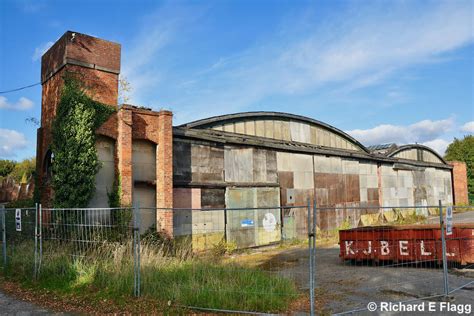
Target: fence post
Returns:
[136, 249]
[313, 277]
[310, 248]
[225, 225]
[40, 235]
[443, 243]
[35, 270]
[4, 236]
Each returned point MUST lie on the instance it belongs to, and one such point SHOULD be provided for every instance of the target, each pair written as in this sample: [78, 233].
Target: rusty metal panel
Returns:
[302, 196]
[286, 179]
[322, 198]
[407, 243]
[187, 197]
[373, 194]
[352, 190]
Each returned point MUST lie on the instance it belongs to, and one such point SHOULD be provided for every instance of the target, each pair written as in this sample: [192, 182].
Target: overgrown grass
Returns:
[107, 273]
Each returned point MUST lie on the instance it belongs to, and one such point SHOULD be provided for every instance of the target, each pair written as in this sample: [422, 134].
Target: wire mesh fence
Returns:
[269, 259]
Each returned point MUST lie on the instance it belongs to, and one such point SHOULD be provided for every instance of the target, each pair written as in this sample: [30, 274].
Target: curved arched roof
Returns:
[222, 119]
[416, 146]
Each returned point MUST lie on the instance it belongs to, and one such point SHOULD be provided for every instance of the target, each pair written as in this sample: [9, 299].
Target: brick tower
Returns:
[93, 61]
[96, 63]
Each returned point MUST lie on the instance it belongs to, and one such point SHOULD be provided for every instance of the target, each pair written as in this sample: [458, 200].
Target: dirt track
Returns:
[14, 306]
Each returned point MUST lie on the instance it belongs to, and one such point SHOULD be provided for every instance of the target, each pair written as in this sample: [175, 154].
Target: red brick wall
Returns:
[460, 182]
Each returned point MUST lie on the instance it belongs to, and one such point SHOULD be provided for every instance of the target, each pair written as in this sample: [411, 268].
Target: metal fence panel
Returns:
[460, 249]
[275, 259]
[18, 226]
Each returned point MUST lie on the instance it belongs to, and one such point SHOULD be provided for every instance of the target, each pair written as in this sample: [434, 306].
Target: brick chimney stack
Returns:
[93, 61]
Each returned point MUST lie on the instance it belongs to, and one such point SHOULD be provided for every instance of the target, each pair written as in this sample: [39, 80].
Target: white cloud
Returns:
[439, 145]
[352, 49]
[421, 132]
[10, 142]
[468, 127]
[22, 104]
[141, 59]
[40, 50]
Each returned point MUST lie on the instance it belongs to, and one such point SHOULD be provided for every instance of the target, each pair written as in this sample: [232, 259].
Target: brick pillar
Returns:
[124, 155]
[460, 194]
[164, 173]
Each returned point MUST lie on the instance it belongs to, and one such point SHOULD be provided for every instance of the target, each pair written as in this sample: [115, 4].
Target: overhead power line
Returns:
[18, 89]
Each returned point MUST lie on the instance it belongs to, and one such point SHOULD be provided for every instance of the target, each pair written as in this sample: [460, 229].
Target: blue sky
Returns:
[384, 71]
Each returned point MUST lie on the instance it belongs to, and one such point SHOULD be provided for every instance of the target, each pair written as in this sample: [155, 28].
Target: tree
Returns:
[24, 170]
[124, 90]
[463, 150]
[6, 167]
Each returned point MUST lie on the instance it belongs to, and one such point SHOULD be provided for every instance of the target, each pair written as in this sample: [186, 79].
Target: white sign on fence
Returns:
[18, 219]
[449, 220]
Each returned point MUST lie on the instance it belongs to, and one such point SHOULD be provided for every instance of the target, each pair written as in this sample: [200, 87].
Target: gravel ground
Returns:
[349, 287]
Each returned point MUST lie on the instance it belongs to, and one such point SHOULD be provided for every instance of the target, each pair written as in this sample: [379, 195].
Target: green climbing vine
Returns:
[75, 162]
